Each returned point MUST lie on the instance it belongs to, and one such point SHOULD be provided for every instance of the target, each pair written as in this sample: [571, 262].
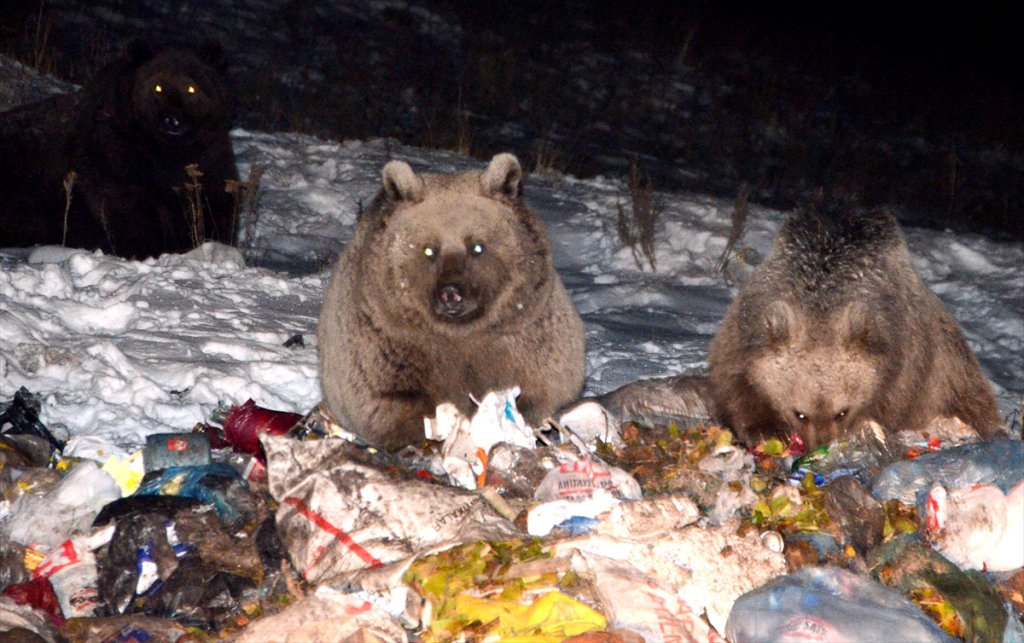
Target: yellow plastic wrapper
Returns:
[127, 472]
[551, 617]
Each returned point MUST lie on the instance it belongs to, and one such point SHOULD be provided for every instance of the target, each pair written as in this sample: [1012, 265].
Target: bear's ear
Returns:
[780, 323]
[138, 51]
[212, 52]
[502, 178]
[401, 183]
[856, 325]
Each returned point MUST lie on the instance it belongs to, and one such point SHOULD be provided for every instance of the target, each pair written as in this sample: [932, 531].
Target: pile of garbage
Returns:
[260, 525]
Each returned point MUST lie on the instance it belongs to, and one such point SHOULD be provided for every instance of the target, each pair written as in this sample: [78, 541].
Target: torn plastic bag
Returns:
[21, 417]
[828, 604]
[72, 571]
[708, 568]
[466, 442]
[977, 527]
[216, 484]
[46, 521]
[342, 510]
[998, 462]
[646, 607]
[579, 474]
[243, 425]
[38, 594]
[198, 595]
[23, 623]
[138, 554]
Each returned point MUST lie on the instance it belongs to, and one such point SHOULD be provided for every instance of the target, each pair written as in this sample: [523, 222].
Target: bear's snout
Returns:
[173, 125]
[452, 302]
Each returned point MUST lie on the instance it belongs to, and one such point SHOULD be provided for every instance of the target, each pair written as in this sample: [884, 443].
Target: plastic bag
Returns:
[466, 442]
[46, 521]
[343, 509]
[828, 604]
[998, 462]
[244, 424]
[977, 527]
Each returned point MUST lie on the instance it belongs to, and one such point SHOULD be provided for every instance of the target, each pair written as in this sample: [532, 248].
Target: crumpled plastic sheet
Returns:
[828, 604]
[707, 568]
[341, 512]
[69, 508]
[977, 527]
[998, 462]
[325, 616]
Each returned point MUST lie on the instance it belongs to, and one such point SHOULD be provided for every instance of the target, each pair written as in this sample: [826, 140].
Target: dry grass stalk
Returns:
[740, 210]
[636, 228]
[69, 185]
[193, 189]
[246, 196]
[548, 161]
[41, 60]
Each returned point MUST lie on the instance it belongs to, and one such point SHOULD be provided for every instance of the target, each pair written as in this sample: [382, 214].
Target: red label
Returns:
[177, 444]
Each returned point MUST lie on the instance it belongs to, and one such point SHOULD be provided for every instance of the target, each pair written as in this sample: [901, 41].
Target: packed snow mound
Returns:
[120, 349]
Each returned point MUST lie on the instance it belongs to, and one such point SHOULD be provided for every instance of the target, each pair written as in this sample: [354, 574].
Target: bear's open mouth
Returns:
[453, 303]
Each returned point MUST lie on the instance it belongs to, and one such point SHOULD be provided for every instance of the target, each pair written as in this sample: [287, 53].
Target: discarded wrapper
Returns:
[545, 516]
[467, 442]
[72, 571]
[577, 477]
[341, 511]
[592, 422]
[659, 575]
[977, 527]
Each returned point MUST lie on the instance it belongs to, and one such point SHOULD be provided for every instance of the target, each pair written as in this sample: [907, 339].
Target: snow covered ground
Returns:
[120, 349]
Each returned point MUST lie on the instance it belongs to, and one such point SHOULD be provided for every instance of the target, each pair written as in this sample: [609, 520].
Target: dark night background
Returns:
[915, 105]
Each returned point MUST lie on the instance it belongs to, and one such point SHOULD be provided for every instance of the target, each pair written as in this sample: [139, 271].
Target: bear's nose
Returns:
[173, 125]
[450, 296]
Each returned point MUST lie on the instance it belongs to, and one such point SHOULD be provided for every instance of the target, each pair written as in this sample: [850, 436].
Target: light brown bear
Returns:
[836, 328]
[446, 291]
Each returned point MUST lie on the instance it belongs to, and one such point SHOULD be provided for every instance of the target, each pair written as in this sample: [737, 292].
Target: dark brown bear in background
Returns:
[121, 145]
[836, 328]
[446, 291]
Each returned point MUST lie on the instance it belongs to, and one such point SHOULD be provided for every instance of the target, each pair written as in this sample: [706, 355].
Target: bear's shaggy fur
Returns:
[836, 328]
[127, 137]
[446, 291]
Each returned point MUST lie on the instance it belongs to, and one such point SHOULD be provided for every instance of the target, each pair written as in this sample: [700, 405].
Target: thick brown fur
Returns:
[836, 328]
[446, 291]
[128, 143]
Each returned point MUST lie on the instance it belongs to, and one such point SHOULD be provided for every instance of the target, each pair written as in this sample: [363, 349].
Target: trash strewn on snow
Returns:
[271, 525]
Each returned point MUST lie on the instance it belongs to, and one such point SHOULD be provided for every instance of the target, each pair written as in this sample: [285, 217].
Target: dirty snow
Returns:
[120, 349]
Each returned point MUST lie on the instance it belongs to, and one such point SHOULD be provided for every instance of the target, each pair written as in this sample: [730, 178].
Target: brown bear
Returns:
[105, 167]
[836, 328]
[446, 291]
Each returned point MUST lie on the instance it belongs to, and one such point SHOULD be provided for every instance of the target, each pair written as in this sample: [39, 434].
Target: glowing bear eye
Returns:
[476, 249]
[191, 89]
[158, 88]
[429, 252]
[840, 415]
[800, 416]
